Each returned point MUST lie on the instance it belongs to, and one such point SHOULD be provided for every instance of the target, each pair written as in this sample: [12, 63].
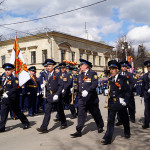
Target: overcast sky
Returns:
[105, 21]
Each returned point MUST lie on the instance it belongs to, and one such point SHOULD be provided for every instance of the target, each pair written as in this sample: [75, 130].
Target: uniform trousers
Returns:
[48, 110]
[5, 109]
[82, 114]
[111, 120]
[147, 109]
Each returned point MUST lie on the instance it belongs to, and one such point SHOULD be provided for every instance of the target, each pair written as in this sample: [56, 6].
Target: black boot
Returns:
[76, 134]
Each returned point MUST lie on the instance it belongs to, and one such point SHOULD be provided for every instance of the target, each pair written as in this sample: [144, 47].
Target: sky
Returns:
[105, 21]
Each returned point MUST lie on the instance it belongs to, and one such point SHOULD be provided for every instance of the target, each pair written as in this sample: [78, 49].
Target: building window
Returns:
[62, 55]
[106, 61]
[81, 55]
[100, 60]
[94, 60]
[44, 55]
[3, 59]
[87, 57]
[33, 57]
[73, 56]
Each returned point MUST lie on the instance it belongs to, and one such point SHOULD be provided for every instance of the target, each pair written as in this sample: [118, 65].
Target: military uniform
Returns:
[66, 93]
[132, 82]
[145, 92]
[87, 83]
[118, 98]
[43, 77]
[54, 86]
[31, 87]
[10, 100]
[131, 78]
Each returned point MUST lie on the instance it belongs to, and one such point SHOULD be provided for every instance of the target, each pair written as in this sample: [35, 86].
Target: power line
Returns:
[55, 14]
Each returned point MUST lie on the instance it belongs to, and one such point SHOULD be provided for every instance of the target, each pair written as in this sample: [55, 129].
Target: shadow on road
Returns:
[9, 128]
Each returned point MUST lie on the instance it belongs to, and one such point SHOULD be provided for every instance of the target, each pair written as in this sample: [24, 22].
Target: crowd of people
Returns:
[63, 87]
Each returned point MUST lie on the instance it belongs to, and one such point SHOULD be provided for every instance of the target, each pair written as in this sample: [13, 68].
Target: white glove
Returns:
[28, 93]
[148, 91]
[5, 95]
[42, 86]
[71, 90]
[38, 94]
[63, 91]
[106, 91]
[84, 93]
[122, 102]
[55, 98]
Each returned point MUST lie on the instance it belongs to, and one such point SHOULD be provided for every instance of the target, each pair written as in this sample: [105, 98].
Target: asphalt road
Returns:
[15, 138]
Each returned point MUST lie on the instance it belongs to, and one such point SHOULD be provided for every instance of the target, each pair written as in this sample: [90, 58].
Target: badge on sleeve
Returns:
[127, 82]
[95, 76]
[60, 77]
[70, 77]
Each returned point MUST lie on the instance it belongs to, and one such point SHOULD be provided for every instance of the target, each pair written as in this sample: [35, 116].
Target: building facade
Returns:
[58, 46]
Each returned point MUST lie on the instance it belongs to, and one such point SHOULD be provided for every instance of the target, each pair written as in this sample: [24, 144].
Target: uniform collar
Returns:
[85, 73]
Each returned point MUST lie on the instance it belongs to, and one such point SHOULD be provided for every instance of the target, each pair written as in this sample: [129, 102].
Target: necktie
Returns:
[49, 75]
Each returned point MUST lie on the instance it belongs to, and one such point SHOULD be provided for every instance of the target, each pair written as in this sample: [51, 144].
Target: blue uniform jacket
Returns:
[88, 83]
[67, 83]
[11, 85]
[118, 89]
[54, 86]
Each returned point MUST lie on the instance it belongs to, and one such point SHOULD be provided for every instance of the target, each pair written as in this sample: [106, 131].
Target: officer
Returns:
[118, 97]
[88, 98]
[31, 92]
[54, 86]
[145, 92]
[66, 92]
[132, 82]
[10, 98]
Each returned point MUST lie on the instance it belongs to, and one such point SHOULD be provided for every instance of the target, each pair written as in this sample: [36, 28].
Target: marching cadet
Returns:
[132, 81]
[87, 98]
[118, 98]
[31, 91]
[10, 98]
[42, 78]
[145, 92]
[66, 92]
[54, 86]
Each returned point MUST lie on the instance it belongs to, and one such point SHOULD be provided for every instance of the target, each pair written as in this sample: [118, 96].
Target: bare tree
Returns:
[141, 57]
[124, 48]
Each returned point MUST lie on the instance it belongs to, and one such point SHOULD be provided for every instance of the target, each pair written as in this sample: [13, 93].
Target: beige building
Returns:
[58, 46]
